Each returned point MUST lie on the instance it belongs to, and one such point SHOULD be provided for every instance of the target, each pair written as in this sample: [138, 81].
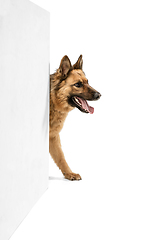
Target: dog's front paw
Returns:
[72, 176]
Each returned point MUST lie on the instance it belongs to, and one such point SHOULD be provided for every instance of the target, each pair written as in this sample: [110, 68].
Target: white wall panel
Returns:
[24, 84]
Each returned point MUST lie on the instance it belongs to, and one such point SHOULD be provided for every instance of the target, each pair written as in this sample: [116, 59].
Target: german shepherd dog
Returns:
[69, 88]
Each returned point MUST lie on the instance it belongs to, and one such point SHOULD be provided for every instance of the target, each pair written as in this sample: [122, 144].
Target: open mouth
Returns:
[82, 104]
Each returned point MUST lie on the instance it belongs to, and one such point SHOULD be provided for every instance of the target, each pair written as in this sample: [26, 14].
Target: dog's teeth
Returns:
[77, 101]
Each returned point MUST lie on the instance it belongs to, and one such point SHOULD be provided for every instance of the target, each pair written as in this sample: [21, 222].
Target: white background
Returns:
[24, 81]
[111, 148]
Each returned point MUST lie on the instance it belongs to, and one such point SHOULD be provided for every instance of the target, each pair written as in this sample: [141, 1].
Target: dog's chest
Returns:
[57, 121]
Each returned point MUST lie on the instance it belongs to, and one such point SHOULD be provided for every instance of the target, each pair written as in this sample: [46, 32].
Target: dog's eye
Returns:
[78, 84]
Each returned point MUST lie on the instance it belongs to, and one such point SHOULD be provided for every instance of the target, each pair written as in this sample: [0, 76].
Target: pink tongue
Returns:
[86, 106]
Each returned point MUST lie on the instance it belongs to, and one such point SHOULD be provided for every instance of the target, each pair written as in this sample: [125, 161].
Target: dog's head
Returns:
[70, 87]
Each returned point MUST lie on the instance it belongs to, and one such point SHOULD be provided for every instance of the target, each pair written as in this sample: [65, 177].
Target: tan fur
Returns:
[61, 87]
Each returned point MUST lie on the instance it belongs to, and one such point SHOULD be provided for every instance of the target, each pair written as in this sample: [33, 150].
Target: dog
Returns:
[69, 89]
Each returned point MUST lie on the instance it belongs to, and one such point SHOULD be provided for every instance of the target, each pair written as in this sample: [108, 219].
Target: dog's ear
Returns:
[65, 66]
[79, 63]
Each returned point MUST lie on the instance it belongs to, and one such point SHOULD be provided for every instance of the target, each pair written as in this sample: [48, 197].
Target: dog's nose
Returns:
[97, 95]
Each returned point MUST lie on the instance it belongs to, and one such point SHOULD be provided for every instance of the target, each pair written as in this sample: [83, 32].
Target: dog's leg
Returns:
[58, 157]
